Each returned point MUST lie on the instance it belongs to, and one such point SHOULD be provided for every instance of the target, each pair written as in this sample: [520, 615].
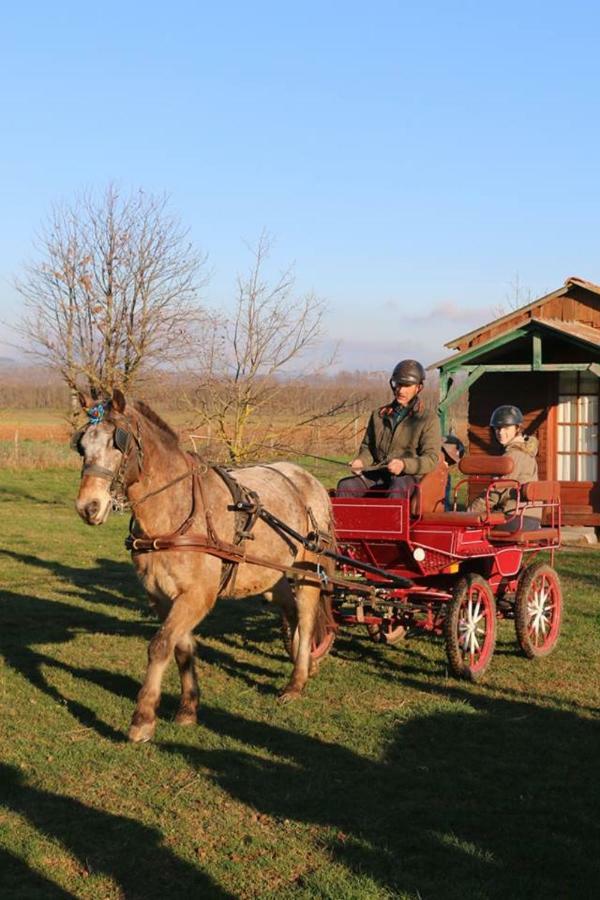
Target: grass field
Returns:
[388, 779]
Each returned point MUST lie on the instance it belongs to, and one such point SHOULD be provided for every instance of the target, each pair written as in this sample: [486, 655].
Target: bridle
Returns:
[127, 439]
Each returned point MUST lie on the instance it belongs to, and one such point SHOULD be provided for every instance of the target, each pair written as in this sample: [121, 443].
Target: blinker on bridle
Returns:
[122, 438]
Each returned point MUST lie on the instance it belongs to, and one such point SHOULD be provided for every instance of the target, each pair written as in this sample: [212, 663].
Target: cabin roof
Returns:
[573, 281]
[585, 333]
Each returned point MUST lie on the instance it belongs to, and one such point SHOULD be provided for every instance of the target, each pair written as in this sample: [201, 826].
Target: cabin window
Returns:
[577, 427]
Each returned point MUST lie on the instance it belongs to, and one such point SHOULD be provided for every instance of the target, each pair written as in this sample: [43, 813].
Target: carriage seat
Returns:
[540, 493]
[481, 464]
[535, 536]
[471, 465]
[430, 495]
[463, 518]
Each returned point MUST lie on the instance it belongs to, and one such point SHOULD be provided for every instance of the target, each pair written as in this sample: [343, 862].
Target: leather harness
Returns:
[246, 506]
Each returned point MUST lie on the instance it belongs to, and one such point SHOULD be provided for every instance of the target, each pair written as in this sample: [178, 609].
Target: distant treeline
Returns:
[32, 387]
[352, 393]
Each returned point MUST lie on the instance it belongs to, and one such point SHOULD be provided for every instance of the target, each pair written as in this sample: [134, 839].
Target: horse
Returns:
[188, 547]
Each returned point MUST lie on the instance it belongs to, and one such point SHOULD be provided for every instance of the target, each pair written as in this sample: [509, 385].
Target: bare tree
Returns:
[515, 297]
[113, 291]
[247, 356]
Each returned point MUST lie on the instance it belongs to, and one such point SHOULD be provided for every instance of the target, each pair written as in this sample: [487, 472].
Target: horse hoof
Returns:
[289, 694]
[139, 734]
[186, 718]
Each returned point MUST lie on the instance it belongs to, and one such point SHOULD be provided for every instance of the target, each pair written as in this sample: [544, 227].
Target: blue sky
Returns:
[410, 158]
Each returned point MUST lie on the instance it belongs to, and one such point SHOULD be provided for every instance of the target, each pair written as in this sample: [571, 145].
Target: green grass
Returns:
[389, 779]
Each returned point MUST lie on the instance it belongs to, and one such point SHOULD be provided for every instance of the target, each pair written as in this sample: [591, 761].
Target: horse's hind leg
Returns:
[185, 613]
[282, 596]
[307, 602]
[187, 713]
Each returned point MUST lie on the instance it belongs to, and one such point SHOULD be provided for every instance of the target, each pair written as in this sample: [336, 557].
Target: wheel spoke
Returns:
[469, 631]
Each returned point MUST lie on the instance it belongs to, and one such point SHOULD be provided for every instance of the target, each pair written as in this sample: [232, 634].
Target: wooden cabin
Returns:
[545, 358]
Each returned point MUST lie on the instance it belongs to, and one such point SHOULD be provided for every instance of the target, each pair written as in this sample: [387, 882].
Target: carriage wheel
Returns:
[538, 610]
[470, 628]
[323, 637]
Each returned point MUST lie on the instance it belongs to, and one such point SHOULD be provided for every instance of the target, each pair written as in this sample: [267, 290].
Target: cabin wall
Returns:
[536, 394]
[578, 305]
[532, 392]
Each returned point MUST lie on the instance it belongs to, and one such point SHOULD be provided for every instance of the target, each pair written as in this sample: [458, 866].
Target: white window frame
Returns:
[577, 427]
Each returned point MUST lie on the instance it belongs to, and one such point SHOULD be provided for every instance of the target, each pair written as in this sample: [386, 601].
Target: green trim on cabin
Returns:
[475, 372]
[467, 362]
[454, 393]
[458, 361]
[529, 367]
[451, 394]
[536, 347]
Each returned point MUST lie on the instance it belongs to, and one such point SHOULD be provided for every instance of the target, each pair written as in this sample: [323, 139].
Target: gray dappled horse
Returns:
[130, 454]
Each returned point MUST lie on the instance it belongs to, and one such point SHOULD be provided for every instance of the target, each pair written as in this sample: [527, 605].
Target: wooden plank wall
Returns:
[532, 392]
[578, 305]
[536, 395]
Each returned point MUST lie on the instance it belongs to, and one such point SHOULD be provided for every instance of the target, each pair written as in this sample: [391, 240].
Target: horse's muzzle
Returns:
[93, 512]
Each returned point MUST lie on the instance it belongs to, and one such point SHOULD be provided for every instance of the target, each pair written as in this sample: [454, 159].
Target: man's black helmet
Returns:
[506, 415]
[408, 371]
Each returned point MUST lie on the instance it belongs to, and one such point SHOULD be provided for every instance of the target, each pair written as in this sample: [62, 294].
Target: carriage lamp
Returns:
[419, 554]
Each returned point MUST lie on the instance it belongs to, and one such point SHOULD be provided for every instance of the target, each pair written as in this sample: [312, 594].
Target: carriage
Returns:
[410, 566]
[396, 566]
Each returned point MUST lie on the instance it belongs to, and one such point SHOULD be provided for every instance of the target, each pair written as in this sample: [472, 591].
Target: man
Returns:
[506, 423]
[401, 442]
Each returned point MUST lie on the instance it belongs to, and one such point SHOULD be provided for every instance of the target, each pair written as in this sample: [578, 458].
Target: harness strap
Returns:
[233, 553]
[246, 506]
[96, 471]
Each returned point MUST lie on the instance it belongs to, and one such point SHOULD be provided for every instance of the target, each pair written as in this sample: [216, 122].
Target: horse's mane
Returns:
[153, 417]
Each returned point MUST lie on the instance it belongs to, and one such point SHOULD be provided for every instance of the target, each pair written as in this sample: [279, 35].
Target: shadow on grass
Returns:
[127, 851]
[13, 492]
[494, 802]
[18, 880]
[29, 621]
[91, 582]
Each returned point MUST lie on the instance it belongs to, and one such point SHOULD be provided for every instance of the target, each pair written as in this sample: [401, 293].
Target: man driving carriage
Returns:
[401, 442]
[506, 423]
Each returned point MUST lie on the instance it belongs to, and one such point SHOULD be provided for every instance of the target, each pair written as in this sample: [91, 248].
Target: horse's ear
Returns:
[85, 401]
[118, 401]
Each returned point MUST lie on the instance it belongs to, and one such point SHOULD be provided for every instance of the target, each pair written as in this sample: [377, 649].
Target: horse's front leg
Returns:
[187, 713]
[187, 610]
[307, 602]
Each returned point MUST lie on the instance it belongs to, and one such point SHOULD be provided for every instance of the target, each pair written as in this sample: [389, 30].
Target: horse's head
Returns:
[111, 451]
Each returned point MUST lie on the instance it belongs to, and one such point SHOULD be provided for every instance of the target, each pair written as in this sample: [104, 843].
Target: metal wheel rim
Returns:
[541, 610]
[473, 628]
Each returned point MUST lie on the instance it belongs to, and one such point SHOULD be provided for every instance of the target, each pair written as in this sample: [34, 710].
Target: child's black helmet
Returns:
[408, 371]
[506, 415]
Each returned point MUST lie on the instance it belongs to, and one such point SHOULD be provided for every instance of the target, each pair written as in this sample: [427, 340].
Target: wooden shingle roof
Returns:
[522, 314]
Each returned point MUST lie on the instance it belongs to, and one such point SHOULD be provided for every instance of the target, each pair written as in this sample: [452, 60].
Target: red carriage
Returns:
[406, 566]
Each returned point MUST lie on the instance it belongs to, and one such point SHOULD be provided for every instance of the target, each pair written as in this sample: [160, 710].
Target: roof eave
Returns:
[533, 322]
[551, 296]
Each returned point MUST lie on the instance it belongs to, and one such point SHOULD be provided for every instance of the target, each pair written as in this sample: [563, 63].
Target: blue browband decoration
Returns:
[96, 413]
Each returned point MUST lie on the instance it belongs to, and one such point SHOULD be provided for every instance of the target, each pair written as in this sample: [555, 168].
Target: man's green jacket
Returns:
[416, 439]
